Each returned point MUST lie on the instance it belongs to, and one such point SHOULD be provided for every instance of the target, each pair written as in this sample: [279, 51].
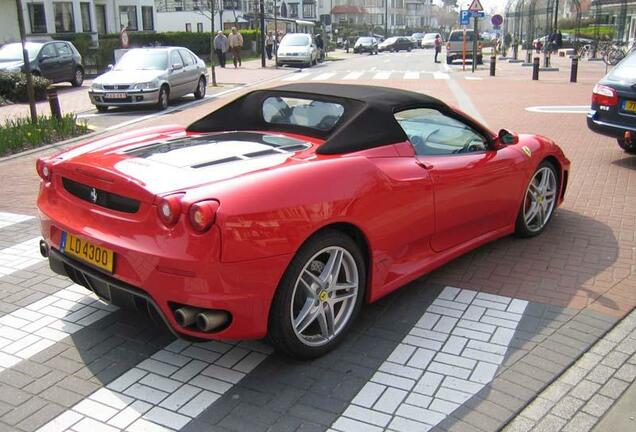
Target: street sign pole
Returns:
[475, 41]
[27, 65]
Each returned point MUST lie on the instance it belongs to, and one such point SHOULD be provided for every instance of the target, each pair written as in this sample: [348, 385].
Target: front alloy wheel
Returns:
[539, 201]
[164, 95]
[319, 296]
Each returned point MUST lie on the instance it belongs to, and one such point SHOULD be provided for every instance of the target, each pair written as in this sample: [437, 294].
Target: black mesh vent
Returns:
[100, 197]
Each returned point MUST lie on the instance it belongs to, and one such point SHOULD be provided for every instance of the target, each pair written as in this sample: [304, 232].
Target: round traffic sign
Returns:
[496, 20]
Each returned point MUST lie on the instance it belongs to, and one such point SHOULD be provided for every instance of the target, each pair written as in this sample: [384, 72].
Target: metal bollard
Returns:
[54, 102]
[493, 64]
[535, 69]
[574, 70]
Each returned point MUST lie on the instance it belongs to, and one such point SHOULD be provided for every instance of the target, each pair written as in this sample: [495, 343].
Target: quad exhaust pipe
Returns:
[204, 320]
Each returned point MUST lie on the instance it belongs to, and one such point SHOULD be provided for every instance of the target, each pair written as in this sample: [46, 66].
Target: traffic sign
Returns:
[476, 6]
[474, 14]
[496, 20]
[464, 17]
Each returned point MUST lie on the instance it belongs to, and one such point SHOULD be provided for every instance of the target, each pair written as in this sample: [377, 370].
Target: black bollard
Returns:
[535, 69]
[574, 70]
[493, 65]
[54, 102]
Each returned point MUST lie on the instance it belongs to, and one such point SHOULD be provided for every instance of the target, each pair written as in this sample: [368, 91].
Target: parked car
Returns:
[455, 47]
[297, 49]
[150, 76]
[418, 39]
[613, 110]
[366, 44]
[57, 61]
[396, 43]
[428, 41]
[240, 225]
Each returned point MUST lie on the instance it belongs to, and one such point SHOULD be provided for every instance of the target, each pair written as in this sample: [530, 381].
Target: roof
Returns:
[368, 120]
[347, 9]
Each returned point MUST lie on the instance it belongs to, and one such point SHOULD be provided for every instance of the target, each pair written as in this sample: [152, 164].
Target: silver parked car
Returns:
[150, 76]
[299, 49]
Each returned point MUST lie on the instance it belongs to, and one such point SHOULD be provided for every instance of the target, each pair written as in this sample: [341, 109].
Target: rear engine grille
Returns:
[100, 197]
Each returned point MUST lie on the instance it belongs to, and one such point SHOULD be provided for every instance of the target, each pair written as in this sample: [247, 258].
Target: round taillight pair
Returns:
[203, 215]
[169, 210]
[43, 169]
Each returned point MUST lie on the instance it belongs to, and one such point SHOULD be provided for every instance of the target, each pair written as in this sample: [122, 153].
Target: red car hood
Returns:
[167, 159]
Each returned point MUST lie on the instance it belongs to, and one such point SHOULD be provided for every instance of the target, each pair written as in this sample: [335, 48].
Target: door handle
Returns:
[424, 165]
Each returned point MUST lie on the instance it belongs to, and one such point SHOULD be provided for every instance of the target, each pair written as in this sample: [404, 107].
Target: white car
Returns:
[428, 41]
[297, 49]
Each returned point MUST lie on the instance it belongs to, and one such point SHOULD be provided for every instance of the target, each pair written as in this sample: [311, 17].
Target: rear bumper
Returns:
[294, 59]
[614, 130]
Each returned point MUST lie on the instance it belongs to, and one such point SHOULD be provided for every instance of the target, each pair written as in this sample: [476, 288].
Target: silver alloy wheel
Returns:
[163, 98]
[79, 77]
[324, 296]
[540, 199]
[202, 87]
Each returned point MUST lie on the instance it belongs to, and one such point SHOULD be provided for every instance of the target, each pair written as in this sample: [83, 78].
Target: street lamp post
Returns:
[556, 14]
[386, 19]
[27, 65]
[262, 5]
[275, 35]
[212, 72]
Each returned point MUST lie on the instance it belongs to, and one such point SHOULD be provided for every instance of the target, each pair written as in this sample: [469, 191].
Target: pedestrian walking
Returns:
[559, 39]
[236, 43]
[269, 44]
[438, 47]
[321, 47]
[220, 47]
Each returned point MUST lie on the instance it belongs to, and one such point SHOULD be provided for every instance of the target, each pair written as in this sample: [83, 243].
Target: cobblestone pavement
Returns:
[467, 348]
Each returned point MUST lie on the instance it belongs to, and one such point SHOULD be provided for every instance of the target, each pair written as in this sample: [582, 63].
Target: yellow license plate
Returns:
[630, 106]
[96, 255]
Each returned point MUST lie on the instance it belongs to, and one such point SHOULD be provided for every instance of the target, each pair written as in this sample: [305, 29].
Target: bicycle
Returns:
[616, 53]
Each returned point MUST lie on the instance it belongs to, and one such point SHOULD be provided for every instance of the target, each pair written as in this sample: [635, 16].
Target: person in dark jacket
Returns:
[320, 45]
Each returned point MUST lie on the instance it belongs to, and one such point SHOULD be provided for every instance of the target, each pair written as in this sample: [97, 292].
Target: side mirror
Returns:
[177, 66]
[506, 137]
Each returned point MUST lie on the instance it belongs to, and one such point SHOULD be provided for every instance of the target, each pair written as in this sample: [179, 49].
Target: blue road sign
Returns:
[479, 14]
[464, 17]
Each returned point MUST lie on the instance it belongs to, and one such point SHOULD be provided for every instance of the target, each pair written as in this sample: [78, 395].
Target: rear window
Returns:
[458, 36]
[626, 70]
[365, 40]
[309, 113]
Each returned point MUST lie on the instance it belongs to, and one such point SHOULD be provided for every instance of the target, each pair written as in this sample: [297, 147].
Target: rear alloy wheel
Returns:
[318, 297]
[78, 78]
[164, 95]
[539, 201]
[629, 148]
[201, 88]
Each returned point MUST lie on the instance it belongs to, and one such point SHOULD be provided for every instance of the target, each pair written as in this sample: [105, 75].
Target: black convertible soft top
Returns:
[367, 121]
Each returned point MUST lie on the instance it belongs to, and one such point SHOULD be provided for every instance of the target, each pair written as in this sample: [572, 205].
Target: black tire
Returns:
[78, 78]
[101, 108]
[408, 49]
[164, 98]
[521, 227]
[281, 331]
[628, 148]
[449, 60]
[201, 89]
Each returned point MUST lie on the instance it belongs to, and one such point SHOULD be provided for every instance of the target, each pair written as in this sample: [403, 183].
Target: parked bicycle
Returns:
[617, 52]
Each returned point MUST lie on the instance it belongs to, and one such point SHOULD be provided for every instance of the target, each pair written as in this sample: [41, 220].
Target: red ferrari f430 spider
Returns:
[285, 210]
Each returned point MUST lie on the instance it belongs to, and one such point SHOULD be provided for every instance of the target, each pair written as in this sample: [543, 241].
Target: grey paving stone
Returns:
[523, 380]
[598, 405]
[77, 385]
[585, 389]
[477, 419]
[520, 424]
[61, 396]
[627, 346]
[39, 418]
[13, 396]
[581, 422]
[331, 404]
[613, 388]
[627, 372]
[15, 378]
[24, 410]
[549, 423]
[600, 374]
[241, 424]
[556, 391]
[312, 414]
[567, 407]
[500, 398]
[573, 375]
[537, 409]
[615, 359]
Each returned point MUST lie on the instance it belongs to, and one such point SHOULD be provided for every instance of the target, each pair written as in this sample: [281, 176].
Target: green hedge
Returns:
[13, 87]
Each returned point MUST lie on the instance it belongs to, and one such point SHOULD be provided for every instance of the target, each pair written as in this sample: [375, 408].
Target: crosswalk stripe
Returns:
[382, 75]
[31, 329]
[411, 75]
[353, 75]
[20, 256]
[473, 78]
[296, 76]
[166, 391]
[7, 219]
[440, 76]
[323, 76]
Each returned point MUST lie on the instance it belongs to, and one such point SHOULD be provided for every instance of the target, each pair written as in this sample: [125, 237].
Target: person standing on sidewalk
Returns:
[220, 47]
[236, 43]
[269, 44]
[438, 47]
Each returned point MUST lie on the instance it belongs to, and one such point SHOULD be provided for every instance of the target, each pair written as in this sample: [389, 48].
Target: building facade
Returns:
[400, 15]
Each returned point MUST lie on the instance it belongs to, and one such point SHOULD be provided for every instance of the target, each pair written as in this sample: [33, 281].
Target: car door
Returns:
[48, 62]
[477, 189]
[177, 75]
[65, 59]
[191, 71]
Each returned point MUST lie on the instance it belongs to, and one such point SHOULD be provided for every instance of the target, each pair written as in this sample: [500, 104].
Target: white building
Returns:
[94, 17]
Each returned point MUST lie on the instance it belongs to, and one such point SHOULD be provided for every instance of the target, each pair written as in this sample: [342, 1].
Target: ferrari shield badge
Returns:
[527, 151]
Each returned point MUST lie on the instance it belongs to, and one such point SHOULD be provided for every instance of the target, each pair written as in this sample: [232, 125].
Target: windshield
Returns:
[295, 40]
[418, 35]
[143, 60]
[390, 40]
[365, 40]
[458, 36]
[430, 36]
[13, 52]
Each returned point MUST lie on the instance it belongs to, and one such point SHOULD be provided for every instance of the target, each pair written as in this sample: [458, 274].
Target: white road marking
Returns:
[297, 76]
[440, 76]
[7, 219]
[20, 256]
[451, 353]
[323, 76]
[382, 75]
[30, 330]
[560, 109]
[353, 75]
[166, 391]
[474, 78]
[411, 75]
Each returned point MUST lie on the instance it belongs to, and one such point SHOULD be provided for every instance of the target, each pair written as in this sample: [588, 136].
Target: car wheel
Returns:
[164, 96]
[101, 108]
[539, 201]
[78, 79]
[408, 49]
[629, 148]
[201, 88]
[319, 296]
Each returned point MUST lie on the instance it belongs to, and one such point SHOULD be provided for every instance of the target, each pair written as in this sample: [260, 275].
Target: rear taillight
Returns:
[169, 209]
[603, 95]
[44, 170]
[203, 215]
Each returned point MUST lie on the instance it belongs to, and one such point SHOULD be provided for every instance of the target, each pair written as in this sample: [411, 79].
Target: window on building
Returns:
[231, 4]
[64, 19]
[293, 10]
[100, 18]
[128, 17]
[309, 10]
[200, 27]
[85, 10]
[37, 18]
[189, 27]
[147, 21]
